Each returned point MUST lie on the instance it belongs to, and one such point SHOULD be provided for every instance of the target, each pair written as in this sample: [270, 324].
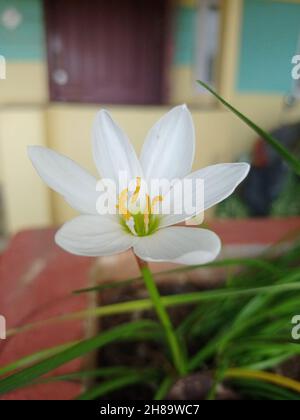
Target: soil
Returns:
[145, 354]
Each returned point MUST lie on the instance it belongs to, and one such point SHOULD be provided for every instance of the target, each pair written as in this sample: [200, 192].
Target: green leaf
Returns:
[247, 262]
[108, 286]
[169, 301]
[35, 357]
[112, 385]
[106, 372]
[259, 390]
[283, 152]
[244, 317]
[164, 388]
[26, 376]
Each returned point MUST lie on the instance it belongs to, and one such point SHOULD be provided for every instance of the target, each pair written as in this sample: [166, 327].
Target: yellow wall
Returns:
[26, 83]
[27, 201]
[66, 128]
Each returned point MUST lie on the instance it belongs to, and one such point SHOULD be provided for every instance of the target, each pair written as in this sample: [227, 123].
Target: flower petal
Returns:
[94, 236]
[113, 153]
[66, 177]
[182, 245]
[220, 181]
[169, 148]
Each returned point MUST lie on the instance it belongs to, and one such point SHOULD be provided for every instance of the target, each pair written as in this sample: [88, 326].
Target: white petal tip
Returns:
[32, 148]
[182, 107]
[246, 167]
[101, 115]
[34, 151]
[104, 113]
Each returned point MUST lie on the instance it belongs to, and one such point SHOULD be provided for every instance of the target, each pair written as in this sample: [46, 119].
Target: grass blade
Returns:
[164, 388]
[283, 152]
[247, 262]
[26, 376]
[168, 301]
[106, 372]
[269, 377]
[112, 385]
[35, 357]
[257, 390]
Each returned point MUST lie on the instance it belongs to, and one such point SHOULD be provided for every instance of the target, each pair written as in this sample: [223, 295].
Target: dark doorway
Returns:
[107, 51]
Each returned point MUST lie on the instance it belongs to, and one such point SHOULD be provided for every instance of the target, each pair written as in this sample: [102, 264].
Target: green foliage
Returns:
[287, 203]
[28, 375]
[232, 208]
[244, 324]
[274, 143]
[254, 390]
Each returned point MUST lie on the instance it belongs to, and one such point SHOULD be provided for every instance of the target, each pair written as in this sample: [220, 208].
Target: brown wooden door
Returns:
[106, 51]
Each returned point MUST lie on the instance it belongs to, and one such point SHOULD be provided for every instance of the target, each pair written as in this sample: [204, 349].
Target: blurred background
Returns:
[67, 58]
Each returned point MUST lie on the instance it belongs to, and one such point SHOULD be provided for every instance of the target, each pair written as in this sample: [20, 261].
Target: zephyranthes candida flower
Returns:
[168, 153]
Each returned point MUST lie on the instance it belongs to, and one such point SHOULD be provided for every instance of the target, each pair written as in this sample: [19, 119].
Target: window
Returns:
[207, 40]
[106, 51]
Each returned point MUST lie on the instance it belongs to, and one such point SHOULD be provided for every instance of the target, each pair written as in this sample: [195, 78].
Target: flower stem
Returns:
[173, 342]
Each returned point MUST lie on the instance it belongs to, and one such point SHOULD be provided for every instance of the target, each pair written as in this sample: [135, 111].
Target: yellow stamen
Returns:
[122, 206]
[136, 193]
[128, 208]
[157, 199]
[147, 211]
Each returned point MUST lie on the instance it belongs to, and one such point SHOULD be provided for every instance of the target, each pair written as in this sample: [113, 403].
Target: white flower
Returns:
[168, 152]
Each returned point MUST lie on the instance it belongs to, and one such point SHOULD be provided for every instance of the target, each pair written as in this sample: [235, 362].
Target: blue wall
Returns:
[26, 42]
[269, 40]
[185, 35]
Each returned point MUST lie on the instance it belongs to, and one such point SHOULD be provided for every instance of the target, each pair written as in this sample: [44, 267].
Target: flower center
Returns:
[137, 211]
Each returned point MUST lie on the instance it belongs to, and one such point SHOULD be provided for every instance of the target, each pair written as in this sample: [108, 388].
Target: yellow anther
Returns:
[127, 216]
[130, 211]
[157, 199]
[136, 193]
[122, 205]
